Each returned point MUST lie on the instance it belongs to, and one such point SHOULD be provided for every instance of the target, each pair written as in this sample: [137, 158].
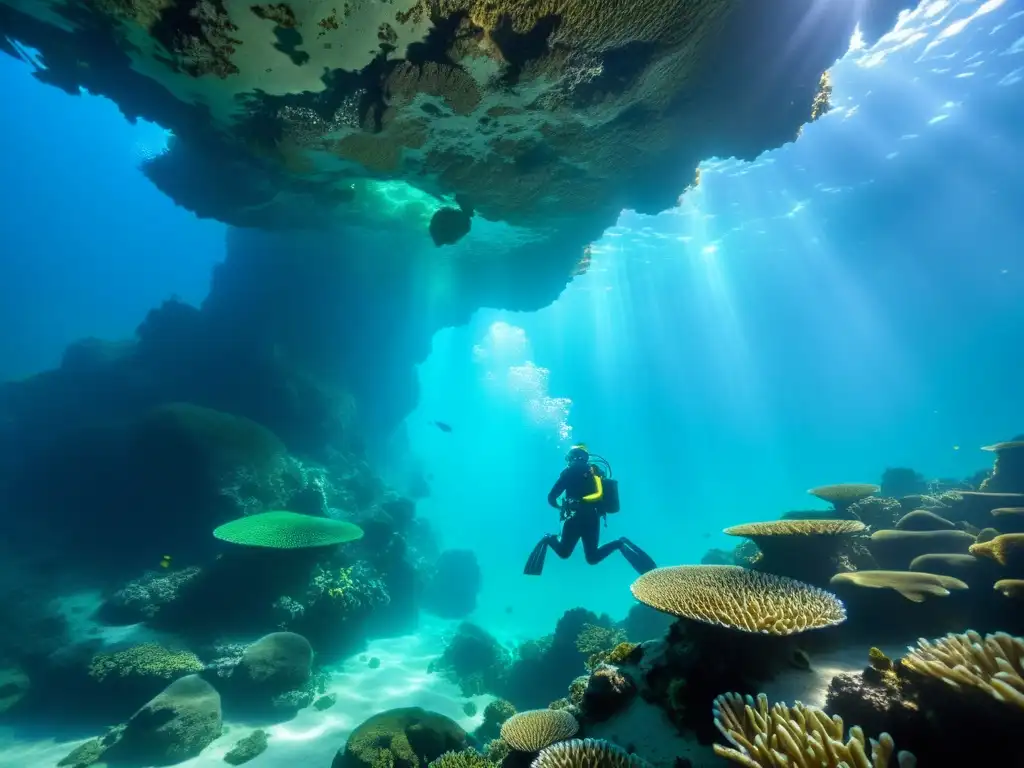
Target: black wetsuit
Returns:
[577, 481]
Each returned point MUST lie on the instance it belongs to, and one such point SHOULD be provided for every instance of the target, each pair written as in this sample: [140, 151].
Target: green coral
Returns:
[467, 758]
[246, 749]
[577, 688]
[222, 441]
[497, 750]
[617, 655]
[495, 715]
[341, 582]
[287, 530]
[594, 638]
[146, 660]
[409, 737]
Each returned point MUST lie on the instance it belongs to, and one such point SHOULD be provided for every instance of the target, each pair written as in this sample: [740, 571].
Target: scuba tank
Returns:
[609, 503]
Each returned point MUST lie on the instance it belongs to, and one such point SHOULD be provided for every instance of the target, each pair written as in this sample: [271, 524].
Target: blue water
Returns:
[845, 303]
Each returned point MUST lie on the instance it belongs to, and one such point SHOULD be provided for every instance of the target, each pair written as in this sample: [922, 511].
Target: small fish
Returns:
[442, 426]
[165, 561]
[956, 447]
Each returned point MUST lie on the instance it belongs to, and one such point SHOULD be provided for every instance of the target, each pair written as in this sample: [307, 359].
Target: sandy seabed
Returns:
[312, 738]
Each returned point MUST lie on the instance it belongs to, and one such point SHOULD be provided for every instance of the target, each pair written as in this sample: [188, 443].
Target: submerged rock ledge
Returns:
[544, 115]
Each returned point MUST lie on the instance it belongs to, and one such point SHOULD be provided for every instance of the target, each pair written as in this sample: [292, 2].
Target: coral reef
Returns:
[401, 738]
[1008, 469]
[248, 748]
[730, 596]
[942, 699]
[587, 753]
[533, 730]
[474, 661]
[177, 724]
[810, 551]
[780, 735]
[287, 530]
[543, 669]
[495, 715]
[843, 495]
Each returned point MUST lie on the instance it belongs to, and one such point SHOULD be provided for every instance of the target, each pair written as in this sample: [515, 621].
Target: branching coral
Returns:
[146, 660]
[797, 735]
[594, 638]
[466, 758]
[739, 598]
[993, 664]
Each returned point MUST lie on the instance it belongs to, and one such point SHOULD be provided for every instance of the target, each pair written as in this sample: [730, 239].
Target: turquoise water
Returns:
[844, 304]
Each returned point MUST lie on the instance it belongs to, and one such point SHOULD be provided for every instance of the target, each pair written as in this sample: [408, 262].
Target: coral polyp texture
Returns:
[587, 753]
[535, 729]
[796, 528]
[287, 530]
[844, 494]
[538, 114]
[993, 665]
[739, 598]
[763, 737]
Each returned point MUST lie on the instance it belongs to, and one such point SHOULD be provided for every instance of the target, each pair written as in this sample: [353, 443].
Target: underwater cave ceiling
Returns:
[551, 115]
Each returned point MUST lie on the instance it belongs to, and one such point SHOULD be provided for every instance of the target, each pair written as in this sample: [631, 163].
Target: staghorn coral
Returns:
[913, 585]
[287, 530]
[993, 665]
[146, 660]
[797, 735]
[535, 729]
[739, 598]
[587, 753]
[1004, 549]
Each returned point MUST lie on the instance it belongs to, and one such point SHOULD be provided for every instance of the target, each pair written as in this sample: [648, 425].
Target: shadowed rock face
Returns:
[545, 115]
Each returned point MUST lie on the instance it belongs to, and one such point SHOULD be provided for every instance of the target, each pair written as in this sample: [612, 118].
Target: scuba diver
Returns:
[590, 494]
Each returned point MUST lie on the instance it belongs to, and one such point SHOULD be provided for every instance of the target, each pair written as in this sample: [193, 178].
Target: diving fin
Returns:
[535, 564]
[636, 557]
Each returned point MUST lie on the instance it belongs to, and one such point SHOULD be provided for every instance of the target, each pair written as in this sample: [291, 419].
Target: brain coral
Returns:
[536, 729]
[739, 598]
[587, 753]
[287, 530]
